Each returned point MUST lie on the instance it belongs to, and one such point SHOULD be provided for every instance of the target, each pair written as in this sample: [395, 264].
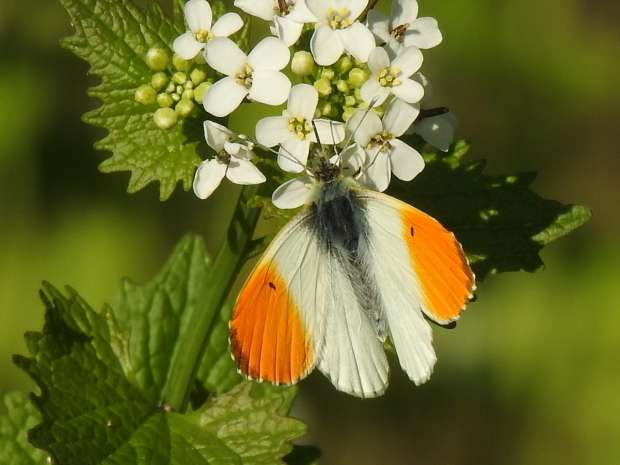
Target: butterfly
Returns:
[353, 268]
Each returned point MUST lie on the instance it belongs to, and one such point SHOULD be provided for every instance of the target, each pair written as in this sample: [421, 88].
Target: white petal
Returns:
[330, 132]
[293, 193]
[406, 161]
[243, 172]
[287, 30]
[377, 174]
[358, 41]
[186, 46]
[270, 87]
[319, 8]
[208, 177]
[399, 116]
[410, 91]
[378, 60]
[228, 24]
[272, 131]
[301, 13]
[364, 125]
[404, 12]
[223, 97]
[198, 15]
[326, 46]
[269, 54]
[302, 101]
[423, 33]
[263, 9]
[352, 159]
[393, 47]
[372, 91]
[216, 135]
[224, 56]
[408, 61]
[379, 25]
[438, 130]
[356, 7]
[294, 155]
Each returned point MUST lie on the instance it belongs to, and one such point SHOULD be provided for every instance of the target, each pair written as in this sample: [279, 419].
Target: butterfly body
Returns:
[353, 268]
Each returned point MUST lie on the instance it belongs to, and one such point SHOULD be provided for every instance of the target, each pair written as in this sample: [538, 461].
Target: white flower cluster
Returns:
[389, 89]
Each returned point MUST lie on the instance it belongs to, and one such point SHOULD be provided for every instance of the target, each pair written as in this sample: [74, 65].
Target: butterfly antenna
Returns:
[316, 134]
[371, 105]
[285, 153]
[331, 130]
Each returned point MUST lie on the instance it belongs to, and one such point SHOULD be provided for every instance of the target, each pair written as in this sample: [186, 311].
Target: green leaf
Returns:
[153, 319]
[14, 446]
[103, 378]
[501, 222]
[113, 36]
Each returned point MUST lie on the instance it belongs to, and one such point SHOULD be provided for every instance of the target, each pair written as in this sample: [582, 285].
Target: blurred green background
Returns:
[532, 373]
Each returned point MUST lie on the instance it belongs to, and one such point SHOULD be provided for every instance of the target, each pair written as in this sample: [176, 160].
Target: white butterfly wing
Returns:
[353, 357]
[418, 267]
[277, 327]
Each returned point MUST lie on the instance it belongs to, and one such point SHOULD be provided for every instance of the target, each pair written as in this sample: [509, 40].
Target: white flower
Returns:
[385, 153]
[198, 16]
[337, 30]
[256, 75]
[294, 193]
[393, 77]
[294, 130]
[232, 160]
[404, 28]
[288, 16]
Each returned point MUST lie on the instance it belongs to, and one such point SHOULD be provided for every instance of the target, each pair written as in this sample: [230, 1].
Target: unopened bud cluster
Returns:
[338, 85]
[175, 87]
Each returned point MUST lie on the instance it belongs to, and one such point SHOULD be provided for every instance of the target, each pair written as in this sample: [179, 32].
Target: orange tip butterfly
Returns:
[353, 268]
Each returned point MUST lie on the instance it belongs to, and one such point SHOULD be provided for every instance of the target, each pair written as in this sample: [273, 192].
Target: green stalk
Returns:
[225, 269]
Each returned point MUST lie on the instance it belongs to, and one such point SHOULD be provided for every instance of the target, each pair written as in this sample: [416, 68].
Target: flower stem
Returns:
[224, 271]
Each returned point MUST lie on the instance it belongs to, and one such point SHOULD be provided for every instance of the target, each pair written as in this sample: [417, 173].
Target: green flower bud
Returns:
[180, 64]
[188, 85]
[164, 100]
[303, 63]
[145, 95]
[187, 95]
[343, 86]
[165, 118]
[358, 95]
[170, 88]
[179, 90]
[176, 97]
[179, 77]
[347, 113]
[197, 76]
[357, 77]
[327, 109]
[184, 107]
[350, 101]
[323, 87]
[157, 59]
[200, 91]
[328, 73]
[344, 65]
[318, 113]
[159, 80]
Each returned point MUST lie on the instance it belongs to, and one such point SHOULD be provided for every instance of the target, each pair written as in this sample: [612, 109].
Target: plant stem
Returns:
[224, 271]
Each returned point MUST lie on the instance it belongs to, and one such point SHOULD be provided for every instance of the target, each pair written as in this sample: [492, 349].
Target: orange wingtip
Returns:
[267, 336]
[441, 266]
